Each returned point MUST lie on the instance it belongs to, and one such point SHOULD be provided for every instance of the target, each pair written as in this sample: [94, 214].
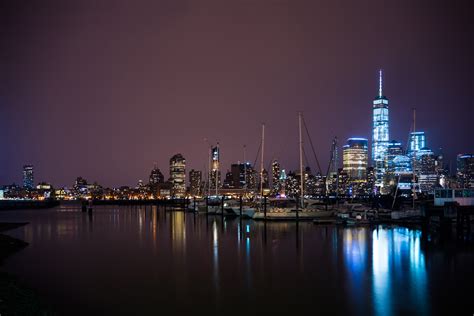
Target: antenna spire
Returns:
[380, 83]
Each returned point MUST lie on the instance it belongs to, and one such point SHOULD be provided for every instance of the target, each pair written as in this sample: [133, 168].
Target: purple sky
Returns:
[103, 89]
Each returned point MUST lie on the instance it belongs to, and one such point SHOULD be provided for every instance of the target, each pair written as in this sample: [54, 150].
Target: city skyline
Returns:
[72, 106]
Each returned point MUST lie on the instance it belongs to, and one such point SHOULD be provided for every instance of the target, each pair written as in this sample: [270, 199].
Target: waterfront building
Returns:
[465, 170]
[355, 159]
[195, 182]
[28, 177]
[80, 187]
[178, 175]
[380, 133]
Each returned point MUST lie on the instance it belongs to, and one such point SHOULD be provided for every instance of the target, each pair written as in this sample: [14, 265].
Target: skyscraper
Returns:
[417, 141]
[465, 170]
[355, 158]
[275, 177]
[394, 150]
[178, 175]
[380, 134]
[156, 177]
[195, 182]
[215, 181]
[426, 169]
[28, 177]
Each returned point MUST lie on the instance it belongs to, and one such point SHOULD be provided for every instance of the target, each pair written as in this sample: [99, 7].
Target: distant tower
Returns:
[178, 175]
[380, 135]
[355, 158]
[28, 177]
[215, 181]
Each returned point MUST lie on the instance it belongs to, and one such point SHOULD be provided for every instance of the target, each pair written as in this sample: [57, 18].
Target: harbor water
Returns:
[145, 260]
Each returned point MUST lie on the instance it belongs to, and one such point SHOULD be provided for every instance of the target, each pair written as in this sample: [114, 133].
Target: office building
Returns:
[465, 170]
[417, 142]
[380, 133]
[276, 185]
[215, 180]
[355, 159]
[28, 177]
[178, 175]
[156, 177]
[195, 182]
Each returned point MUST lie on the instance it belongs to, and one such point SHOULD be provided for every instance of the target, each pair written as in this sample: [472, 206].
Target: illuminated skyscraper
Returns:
[380, 135]
[156, 177]
[394, 151]
[426, 169]
[195, 182]
[355, 158]
[276, 185]
[215, 181]
[417, 141]
[28, 177]
[178, 175]
[283, 178]
[465, 170]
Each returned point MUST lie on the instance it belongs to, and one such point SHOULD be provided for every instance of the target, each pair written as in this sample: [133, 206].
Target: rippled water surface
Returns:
[131, 260]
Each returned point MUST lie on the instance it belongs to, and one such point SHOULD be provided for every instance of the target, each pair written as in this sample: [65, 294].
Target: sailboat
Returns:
[410, 212]
[286, 209]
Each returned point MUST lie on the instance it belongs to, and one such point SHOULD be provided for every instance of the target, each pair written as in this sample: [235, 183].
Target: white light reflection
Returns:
[398, 262]
[215, 249]
[380, 271]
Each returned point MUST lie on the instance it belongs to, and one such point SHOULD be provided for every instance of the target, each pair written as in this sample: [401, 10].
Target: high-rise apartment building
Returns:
[355, 159]
[28, 177]
[178, 175]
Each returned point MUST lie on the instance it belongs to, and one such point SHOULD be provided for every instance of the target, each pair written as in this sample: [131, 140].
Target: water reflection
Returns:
[215, 254]
[178, 232]
[398, 262]
[380, 272]
[213, 260]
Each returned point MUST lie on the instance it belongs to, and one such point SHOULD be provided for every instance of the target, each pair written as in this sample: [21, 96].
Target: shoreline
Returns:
[15, 297]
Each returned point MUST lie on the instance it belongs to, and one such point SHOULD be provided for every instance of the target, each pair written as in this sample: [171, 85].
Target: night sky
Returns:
[103, 89]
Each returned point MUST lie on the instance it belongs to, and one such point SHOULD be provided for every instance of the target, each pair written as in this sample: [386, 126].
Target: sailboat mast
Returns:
[209, 170]
[261, 161]
[245, 170]
[301, 160]
[217, 169]
[414, 155]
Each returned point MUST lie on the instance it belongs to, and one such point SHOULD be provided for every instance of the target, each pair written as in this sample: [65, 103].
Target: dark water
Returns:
[132, 261]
